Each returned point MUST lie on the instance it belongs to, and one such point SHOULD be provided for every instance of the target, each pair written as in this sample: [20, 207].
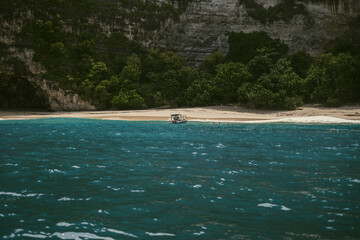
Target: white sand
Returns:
[312, 119]
[307, 114]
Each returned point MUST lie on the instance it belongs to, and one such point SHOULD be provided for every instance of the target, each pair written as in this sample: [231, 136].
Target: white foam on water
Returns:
[267, 205]
[37, 236]
[122, 233]
[54, 171]
[160, 234]
[11, 164]
[13, 194]
[137, 191]
[73, 199]
[197, 186]
[330, 228]
[66, 199]
[78, 236]
[103, 211]
[220, 145]
[355, 180]
[12, 235]
[75, 166]
[199, 233]
[272, 163]
[64, 224]
[305, 119]
[284, 208]
[113, 188]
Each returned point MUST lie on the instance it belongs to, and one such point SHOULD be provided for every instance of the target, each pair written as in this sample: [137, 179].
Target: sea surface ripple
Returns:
[97, 179]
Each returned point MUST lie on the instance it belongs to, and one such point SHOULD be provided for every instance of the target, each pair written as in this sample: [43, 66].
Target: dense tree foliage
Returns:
[209, 64]
[335, 79]
[244, 46]
[256, 72]
[280, 88]
[112, 71]
[301, 63]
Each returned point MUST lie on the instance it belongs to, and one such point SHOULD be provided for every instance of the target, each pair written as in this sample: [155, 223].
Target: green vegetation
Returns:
[79, 54]
[280, 88]
[334, 79]
[243, 46]
[113, 72]
[285, 11]
[332, 4]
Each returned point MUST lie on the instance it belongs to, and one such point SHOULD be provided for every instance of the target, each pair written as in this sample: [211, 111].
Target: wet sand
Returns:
[350, 114]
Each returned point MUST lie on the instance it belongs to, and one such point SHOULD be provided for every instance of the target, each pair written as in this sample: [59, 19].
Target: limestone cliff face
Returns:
[55, 98]
[39, 91]
[204, 26]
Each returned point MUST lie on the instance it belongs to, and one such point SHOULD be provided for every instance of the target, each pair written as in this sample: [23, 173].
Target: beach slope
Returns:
[306, 114]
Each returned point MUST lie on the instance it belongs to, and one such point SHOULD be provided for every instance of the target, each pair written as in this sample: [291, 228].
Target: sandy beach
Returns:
[306, 114]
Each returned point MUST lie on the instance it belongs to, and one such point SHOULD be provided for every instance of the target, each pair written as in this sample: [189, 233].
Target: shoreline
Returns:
[230, 114]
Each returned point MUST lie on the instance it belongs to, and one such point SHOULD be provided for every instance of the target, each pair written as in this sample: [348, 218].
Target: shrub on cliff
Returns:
[244, 46]
[282, 11]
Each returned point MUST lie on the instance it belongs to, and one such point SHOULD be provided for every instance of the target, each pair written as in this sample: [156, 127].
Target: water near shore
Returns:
[96, 179]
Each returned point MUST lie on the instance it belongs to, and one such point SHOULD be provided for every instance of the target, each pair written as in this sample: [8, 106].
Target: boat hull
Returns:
[178, 122]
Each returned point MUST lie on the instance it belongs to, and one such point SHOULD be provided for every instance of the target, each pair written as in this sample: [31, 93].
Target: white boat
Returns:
[177, 118]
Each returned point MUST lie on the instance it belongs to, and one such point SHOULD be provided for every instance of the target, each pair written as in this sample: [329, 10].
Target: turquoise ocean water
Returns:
[96, 179]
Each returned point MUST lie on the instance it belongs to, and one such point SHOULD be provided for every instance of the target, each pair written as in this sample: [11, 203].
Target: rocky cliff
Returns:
[28, 88]
[192, 28]
[204, 26]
